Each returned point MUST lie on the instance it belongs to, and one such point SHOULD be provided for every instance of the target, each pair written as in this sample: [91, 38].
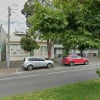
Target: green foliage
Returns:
[28, 9]
[28, 44]
[83, 28]
[53, 23]
[98, 72]
[77, 22]
[93, 18]
[46, 20]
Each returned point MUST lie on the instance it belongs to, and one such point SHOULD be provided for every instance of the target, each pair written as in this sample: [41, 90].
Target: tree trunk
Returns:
[49, 48]
[81, 53]
[32, 53]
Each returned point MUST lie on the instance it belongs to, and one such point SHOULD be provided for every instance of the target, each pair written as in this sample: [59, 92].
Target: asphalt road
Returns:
[45, 78]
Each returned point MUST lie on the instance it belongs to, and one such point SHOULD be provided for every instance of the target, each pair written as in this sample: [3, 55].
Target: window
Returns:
[73, 57]
[79, 57]
[43, 50]
[40, 59]
[32, 59]
[36, 59]
[76, 57]
[17, 51]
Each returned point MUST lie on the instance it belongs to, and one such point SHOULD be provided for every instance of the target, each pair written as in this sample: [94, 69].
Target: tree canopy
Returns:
[83, 25]
[75, 23]
[28, 44]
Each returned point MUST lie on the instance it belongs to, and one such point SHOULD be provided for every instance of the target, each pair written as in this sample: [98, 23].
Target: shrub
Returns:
[98, 72]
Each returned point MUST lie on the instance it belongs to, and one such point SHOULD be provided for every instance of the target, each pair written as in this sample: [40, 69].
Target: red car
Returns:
[75, 59]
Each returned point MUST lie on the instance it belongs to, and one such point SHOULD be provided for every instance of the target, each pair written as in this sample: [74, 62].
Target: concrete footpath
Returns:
[10, 71]
[15, 67]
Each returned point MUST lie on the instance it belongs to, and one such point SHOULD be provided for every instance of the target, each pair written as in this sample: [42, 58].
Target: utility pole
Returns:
[0, 40]
[8, 38]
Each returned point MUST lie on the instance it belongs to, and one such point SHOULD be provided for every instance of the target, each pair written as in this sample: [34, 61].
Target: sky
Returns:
[17, 19]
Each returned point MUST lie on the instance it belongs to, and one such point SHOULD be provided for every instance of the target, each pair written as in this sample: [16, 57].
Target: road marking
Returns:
[19, 77]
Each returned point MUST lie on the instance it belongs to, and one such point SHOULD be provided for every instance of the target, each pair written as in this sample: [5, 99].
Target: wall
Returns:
[3, 36]
[17, 53]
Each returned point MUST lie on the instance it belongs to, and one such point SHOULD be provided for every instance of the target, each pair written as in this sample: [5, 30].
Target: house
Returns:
[58, 50]
[17, 53]
[3, 36]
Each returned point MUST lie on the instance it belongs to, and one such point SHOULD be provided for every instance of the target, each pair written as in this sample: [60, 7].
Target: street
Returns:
[13, 84]
[57, 35]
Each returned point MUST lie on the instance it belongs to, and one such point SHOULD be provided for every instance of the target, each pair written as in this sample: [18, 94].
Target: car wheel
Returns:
[49, 65]
[86, 63]
[71, 63]
[30, 67]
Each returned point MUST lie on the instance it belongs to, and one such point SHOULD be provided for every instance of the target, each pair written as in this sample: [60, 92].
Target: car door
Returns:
[33, 61]
[42, 62]
[80, 60]
[75, 59]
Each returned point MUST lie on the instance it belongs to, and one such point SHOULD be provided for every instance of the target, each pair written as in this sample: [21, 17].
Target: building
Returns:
[58, 50]
[17, 53]
[3, 36]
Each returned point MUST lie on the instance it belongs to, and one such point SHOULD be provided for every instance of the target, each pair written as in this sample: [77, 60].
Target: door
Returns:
[75, 59]
[42, 62]
[80, 60]
[34, 62]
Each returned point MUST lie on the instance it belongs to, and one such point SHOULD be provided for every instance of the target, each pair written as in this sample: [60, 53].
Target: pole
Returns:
[0, 40]
[8, 37]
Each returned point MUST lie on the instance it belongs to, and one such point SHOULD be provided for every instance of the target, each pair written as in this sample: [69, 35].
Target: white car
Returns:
[34, 62]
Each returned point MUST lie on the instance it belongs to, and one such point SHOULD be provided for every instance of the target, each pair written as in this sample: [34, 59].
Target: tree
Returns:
[28, 44]
[92, 24]
[78, 34]
[69, 21]
[47, 21]
[29, 7]
[93, 18]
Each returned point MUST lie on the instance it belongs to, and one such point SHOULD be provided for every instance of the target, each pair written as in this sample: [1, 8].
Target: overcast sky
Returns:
[17, 19]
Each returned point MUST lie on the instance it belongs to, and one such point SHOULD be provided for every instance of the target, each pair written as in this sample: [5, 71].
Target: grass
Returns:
[88, 90]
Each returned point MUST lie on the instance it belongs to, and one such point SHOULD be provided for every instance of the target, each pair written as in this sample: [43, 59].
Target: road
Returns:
[45, 78]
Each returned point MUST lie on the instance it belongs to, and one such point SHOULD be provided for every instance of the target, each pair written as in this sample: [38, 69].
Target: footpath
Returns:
[10, 71]
[15, 67]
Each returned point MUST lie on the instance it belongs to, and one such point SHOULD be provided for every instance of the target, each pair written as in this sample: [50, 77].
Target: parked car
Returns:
[75, 59]
[34, 62]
